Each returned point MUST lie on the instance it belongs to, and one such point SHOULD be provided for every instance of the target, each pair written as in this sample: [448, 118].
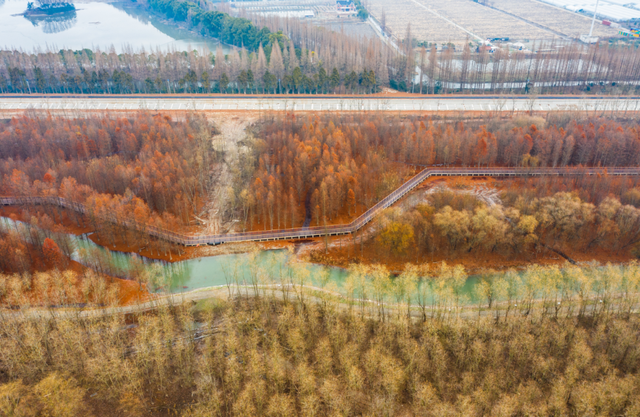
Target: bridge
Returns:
[330, 230]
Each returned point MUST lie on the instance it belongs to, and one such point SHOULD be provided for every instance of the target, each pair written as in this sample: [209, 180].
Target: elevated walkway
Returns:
[333, 230]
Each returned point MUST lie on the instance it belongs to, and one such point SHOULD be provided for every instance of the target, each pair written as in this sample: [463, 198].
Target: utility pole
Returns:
[593, 22]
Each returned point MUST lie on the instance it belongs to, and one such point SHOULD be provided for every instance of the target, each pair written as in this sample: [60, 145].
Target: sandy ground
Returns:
[483, 193]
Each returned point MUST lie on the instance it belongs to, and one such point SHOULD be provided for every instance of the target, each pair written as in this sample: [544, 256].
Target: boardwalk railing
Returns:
[333, 230]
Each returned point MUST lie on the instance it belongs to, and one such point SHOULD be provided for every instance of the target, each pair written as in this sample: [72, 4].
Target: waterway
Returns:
[209, 271]
[279, 266]
[121, 25]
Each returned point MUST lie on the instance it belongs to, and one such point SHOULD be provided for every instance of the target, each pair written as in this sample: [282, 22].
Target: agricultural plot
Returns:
[484, 21]
[350, 27]
[455, 20]
[299, 9]
[566, 22]
[424, 24]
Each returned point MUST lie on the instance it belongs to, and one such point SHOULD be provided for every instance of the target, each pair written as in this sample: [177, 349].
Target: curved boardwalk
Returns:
[333, 230]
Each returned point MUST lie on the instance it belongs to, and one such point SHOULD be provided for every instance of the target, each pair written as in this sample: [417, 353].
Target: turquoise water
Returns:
[281, 267]
[220, 270]
[185, 275]
[94, 24]
[266, 267]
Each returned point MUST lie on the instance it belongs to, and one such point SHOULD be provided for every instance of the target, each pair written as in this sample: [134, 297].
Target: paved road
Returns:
[323, 103]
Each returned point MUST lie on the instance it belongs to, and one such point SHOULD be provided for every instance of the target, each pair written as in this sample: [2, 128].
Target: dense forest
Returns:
[346, 164]
[454, 223]
[268, 356]
[312, 170]
[147, 171]
[283, 340]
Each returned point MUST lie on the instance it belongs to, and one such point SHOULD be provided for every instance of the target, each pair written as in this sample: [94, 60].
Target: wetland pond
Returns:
[123, 25]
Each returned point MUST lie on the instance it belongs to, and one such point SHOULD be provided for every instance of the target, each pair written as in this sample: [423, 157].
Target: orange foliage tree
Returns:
[52, 254]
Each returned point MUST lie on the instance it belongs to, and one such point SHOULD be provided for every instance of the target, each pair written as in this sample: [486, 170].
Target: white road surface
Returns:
[327, 103]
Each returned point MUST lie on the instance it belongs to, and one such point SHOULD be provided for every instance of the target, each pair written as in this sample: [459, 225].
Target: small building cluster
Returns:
[345, 8]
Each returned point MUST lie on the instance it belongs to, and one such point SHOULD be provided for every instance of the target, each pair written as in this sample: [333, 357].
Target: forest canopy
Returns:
[231, 30]
[267, 356]
[558, 339]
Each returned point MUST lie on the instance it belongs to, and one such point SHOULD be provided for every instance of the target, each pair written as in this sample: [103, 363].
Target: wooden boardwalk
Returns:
[333, 230]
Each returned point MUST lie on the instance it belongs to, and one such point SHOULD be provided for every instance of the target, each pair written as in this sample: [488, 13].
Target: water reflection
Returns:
[122, 25]
[239, 272]
[180, 35]
[54, 24]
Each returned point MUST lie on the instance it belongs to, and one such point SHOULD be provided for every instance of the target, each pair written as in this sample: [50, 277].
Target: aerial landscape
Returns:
[319, 208]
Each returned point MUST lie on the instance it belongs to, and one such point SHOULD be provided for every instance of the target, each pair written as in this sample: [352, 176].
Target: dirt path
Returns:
[229, 142]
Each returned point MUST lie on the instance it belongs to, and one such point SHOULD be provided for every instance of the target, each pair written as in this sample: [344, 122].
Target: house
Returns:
[488, 48]
[345, 7]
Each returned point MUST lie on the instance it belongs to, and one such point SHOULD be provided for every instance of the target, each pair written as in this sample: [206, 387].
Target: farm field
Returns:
[485, 22]
[477, 19]
[350, 27]
[570, 24]
[424, 25]
[505, 18]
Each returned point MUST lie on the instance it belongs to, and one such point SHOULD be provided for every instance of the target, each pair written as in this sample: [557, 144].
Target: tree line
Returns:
[282, 68]
[235, 31]
[286, 71]
[572, 68]
[575, 67]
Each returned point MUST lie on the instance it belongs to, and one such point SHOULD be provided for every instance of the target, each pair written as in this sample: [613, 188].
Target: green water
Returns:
[243, 269]
[219, 270]
[280, 267]
[267, 267]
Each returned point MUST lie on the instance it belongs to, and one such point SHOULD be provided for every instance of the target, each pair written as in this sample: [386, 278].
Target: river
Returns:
[123, 25]
[208, 271]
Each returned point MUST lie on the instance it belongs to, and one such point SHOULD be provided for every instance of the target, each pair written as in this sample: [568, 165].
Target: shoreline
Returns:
[312, 251]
